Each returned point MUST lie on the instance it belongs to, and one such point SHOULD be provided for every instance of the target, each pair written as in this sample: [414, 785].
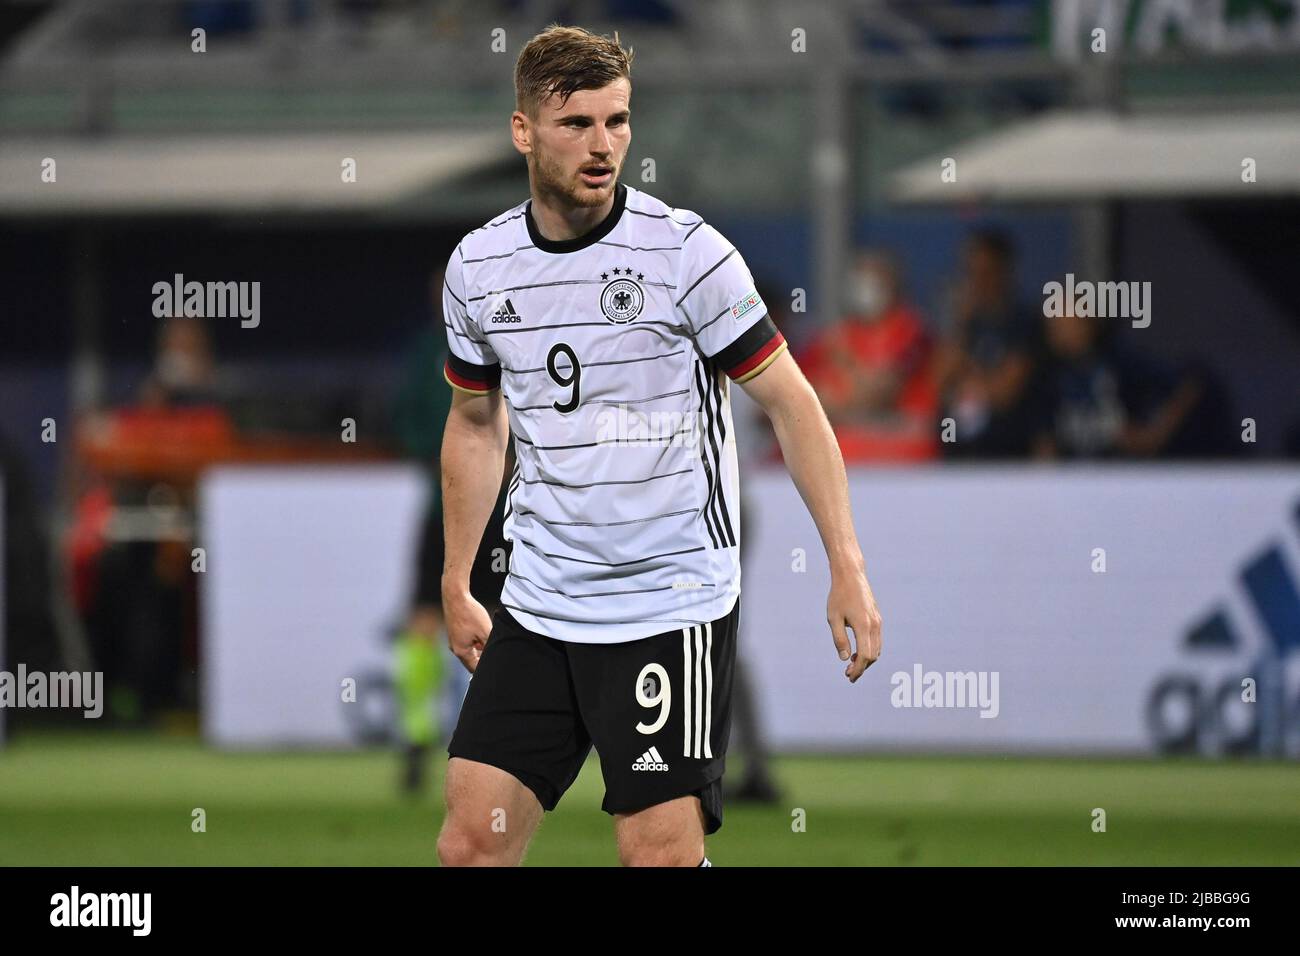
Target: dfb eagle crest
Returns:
[622, 298]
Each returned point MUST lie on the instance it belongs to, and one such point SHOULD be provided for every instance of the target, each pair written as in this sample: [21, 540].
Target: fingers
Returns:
[867, 634]
[466, 651]
[839, 636]
[467, 634]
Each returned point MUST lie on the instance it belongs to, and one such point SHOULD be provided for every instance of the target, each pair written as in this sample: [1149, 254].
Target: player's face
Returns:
[578, 148]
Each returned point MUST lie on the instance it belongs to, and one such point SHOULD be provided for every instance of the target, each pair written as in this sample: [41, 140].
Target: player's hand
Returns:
[468, 627]
[852, 605]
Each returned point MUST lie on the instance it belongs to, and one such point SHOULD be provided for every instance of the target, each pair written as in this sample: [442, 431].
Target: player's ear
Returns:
[521, 133]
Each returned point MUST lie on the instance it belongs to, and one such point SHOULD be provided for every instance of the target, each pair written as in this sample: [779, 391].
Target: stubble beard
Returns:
[551, 182]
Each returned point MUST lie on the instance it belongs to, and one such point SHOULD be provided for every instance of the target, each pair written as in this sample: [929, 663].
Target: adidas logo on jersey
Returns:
[650, 760]
[507, 313]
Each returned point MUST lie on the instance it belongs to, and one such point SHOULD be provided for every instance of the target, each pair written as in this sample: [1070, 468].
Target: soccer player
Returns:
[598, 329]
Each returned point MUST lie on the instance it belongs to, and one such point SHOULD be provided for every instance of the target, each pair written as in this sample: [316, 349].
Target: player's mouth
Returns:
[597, 175]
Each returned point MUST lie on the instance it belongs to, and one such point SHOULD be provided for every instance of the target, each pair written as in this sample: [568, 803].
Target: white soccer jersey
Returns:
[614, 353]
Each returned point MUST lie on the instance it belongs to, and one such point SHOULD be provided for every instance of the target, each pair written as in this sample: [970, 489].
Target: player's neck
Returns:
[559, 222]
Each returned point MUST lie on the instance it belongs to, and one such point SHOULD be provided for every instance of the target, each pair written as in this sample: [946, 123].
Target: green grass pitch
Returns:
[115, 799]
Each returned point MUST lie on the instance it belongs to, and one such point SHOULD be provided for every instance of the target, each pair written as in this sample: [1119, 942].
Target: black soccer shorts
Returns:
[658, 711]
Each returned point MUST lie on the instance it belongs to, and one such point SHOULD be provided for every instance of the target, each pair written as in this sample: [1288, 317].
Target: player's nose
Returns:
[601, 145]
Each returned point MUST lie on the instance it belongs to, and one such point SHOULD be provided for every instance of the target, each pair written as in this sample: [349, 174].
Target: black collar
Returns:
[578, 242]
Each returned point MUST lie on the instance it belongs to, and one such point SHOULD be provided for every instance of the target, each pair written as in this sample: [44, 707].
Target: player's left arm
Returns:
[719, 301]
[812, 456]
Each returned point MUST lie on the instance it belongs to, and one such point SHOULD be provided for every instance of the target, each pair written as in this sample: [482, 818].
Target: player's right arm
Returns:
[473, 460]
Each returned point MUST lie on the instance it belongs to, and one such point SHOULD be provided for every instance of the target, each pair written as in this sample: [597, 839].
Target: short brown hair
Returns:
[562, 60]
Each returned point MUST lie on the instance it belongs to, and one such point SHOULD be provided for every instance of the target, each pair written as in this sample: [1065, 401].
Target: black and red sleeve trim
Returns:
[756, 349]
[468, 377]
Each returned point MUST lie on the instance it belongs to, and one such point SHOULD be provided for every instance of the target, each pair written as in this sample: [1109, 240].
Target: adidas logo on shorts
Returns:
[650, 760]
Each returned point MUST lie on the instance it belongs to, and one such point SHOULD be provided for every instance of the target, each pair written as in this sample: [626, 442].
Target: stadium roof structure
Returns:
[1095, 155]
[259, 173]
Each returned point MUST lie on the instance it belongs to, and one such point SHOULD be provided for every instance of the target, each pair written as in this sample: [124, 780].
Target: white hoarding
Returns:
[1113, 604]
[307, 568]
[1067, 610]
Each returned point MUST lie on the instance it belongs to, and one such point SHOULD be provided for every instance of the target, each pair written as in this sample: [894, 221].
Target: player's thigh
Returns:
[659, 714]
[666, 834]
[488, 810]
[520, 716]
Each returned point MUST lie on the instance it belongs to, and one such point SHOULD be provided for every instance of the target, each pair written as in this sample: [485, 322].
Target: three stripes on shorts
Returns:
[697, 703]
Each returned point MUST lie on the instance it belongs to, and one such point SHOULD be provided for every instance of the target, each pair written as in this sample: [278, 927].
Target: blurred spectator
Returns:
[871, 369]
[133, 585]
[989, 353]
[184, 371]
[1101, 400]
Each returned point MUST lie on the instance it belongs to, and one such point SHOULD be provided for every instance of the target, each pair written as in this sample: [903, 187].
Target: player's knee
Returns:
[661, 851]
[462, 846]
[454, 849]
